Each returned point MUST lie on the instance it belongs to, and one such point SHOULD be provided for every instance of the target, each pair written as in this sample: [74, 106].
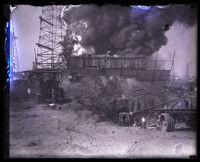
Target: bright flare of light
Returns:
[145, 7]
[79, 38]
[165, 6]
[79, 50]
[142, 7]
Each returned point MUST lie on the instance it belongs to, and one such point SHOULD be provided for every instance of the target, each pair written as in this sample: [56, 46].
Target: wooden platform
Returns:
[139, 74]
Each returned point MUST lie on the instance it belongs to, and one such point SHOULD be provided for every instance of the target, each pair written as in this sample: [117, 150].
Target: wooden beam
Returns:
[45, 21]
[43, 46]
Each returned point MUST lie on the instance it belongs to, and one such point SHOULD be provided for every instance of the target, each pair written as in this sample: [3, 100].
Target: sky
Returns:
[27, 27]
[181, 39]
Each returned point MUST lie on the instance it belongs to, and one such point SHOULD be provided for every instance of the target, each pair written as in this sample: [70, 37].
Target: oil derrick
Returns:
[14, 62]
[187, 72]
[50, 38]
[172, 67]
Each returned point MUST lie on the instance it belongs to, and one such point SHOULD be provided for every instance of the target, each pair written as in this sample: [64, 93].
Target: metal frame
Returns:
[14, 61]
[50, 38]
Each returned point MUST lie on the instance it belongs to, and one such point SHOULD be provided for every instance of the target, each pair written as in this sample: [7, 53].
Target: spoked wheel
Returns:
[167, 122]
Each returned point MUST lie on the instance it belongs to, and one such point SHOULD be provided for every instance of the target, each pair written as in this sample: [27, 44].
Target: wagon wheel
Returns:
[167, 122]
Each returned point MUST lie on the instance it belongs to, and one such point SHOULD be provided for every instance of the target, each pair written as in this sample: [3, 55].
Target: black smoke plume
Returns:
[120, 29]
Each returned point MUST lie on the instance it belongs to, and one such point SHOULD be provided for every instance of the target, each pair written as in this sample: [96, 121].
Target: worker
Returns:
[105, 59]
[124, 119]
[143, 123]
[89, 60]
[187, 103]
[131, 118]
[102, 69]
[127, 119]
[62, 94]
[120, 119]
[195, 88]
[139, 104]
[53, 95]
[29, 92]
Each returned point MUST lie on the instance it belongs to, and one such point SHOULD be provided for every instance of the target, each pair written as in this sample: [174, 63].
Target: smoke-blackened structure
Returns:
[128, 30]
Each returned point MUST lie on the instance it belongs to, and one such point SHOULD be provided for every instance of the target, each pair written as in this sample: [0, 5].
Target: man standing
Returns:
[143, 123]
[53, 95]
[29, 92]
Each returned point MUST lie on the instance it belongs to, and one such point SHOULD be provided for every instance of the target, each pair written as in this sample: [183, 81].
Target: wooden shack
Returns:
[128, 67]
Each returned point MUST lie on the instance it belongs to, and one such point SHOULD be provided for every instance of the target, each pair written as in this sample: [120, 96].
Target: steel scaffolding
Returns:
[14, 61]
[51, 35]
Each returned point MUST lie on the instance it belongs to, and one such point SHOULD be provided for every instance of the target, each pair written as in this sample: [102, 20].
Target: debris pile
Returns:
[99, 93]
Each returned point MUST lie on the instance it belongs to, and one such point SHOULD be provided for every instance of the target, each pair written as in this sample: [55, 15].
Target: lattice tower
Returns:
[14, 61]
[52, 31]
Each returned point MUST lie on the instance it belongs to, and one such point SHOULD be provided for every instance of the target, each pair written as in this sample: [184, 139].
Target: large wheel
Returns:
[167, 122]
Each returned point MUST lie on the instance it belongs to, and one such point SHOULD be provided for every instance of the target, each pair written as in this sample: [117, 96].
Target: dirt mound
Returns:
[99, 93]
[88, 87]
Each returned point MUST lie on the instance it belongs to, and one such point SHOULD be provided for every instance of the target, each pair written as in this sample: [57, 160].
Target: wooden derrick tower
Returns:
[14, 61]
[51, 35]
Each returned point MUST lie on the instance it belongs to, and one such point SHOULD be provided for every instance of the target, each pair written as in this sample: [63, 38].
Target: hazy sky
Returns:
[26, 26]
[184, 41]
[180, 38]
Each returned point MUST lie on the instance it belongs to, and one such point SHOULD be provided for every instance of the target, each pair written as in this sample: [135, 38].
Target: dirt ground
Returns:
[71, 131]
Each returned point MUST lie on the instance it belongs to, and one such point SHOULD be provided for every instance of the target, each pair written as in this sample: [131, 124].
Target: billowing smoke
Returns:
[182, 41]
[131, 30]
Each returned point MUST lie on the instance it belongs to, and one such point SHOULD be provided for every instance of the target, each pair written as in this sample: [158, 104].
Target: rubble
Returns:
[100, 92]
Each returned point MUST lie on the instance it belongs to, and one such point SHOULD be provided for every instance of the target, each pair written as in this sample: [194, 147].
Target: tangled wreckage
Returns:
[162, 108]
[161, 113]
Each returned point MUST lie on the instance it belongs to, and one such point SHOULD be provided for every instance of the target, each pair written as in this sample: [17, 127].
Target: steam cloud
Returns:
[128, 29]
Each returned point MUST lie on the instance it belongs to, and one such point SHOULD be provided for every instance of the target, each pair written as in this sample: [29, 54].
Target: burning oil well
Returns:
[123, 40]
[117, 70]
[105, 81]
[129, 30]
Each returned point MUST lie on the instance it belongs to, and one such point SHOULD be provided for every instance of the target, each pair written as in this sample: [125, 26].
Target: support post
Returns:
[155, 67]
